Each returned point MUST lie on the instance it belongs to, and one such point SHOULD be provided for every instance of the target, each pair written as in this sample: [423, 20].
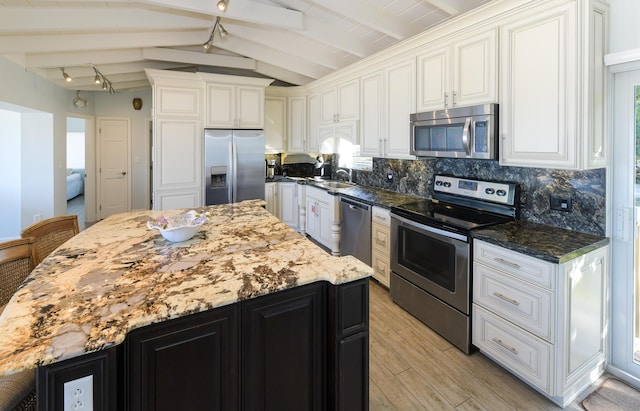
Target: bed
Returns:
[75, 182]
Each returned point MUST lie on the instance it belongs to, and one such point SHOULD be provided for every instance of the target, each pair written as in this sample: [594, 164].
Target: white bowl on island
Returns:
[181, 227]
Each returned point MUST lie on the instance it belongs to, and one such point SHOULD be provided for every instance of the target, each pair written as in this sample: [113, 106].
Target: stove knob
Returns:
[447, 184]
[489, 190]
[501, 193]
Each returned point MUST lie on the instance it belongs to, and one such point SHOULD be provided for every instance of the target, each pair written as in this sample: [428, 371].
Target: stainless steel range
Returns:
[431, 259]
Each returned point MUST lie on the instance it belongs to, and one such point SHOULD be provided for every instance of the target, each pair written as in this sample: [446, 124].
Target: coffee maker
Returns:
[271, 168]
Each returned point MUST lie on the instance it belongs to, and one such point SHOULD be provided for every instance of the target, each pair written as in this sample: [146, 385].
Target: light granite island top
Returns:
[118, 276]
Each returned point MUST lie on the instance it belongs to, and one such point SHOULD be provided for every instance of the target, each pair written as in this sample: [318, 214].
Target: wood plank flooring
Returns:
[412, 368]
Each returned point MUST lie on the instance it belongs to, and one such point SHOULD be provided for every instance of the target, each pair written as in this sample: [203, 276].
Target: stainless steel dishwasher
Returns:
[355, 229]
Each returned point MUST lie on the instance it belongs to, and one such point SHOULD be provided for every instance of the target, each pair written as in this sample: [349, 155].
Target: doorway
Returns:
[625, 238]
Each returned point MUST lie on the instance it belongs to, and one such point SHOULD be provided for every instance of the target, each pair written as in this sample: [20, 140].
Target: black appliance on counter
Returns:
[431, 250]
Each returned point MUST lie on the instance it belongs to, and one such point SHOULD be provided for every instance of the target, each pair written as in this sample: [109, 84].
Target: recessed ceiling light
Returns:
[222, 5]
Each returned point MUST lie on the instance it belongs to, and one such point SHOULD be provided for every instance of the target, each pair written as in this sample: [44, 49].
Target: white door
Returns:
[625, 341]
[114, 137]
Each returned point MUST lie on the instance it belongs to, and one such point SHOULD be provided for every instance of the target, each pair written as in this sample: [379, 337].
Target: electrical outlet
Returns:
[78, 394]
[389, 175]
[560, 203]
[36, 218]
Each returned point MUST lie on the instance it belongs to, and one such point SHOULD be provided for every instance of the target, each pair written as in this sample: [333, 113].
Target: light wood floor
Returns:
[76, 206]
[413, 368]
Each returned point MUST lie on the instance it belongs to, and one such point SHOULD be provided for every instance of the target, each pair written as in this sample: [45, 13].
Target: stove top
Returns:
[461, 205]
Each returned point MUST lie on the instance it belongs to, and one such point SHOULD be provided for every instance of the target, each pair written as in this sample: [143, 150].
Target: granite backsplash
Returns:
[586, 188]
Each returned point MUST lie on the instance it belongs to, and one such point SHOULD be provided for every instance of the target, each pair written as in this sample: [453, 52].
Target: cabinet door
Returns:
[539, 89]
[329, 105]
[274, 124]
[433, 79]
[349, 100]
[372, 115]
[474, 70]
[283, 350]
[270, 195]
[325, 209]
[312, 217]
[313, 122]
[221, 105]
[249, 107]
[297, 124]
[191, 363]
[401, 102]
[178, 101]
[288, 203]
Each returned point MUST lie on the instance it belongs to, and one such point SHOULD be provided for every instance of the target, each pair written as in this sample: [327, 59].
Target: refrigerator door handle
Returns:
[235, 172]
[232, 175]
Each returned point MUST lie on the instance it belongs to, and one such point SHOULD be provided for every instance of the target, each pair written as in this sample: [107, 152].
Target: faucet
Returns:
[348, 173]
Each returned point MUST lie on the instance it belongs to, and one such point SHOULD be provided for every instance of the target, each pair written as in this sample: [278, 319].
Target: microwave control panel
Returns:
[496, 192]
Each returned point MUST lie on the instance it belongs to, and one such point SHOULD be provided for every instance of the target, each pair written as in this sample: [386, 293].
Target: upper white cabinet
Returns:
[297, 124]
[553, 86]
[341, 102]
[373, 136]
[275, 115]
[400, 87]
[460, 73]
[234, 106]
[313, 123]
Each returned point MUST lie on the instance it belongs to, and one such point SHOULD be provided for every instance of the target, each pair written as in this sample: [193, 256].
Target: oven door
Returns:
[435, 260]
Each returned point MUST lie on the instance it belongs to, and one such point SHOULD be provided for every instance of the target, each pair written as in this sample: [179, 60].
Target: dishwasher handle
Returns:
[354, 204]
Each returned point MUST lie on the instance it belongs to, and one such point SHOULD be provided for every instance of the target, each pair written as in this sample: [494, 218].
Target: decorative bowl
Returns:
[181, 227]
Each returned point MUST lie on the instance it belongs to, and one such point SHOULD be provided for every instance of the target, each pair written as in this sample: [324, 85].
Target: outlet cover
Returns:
[78, 394]
[560, 203]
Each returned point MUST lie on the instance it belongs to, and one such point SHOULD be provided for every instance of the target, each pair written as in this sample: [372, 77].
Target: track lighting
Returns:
[79, 101]
[66, 77]
[96, 79]
[222, 5]
[223, 33]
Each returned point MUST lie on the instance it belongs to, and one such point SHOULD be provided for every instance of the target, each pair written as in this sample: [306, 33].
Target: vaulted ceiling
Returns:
[292, 41]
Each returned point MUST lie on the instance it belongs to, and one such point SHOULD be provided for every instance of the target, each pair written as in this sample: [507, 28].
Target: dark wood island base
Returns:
[304, 348]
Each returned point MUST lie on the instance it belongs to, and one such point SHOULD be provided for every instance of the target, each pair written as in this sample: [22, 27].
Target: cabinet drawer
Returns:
[524, 304]
[528, 357]
[380, 238]
[380, 216]
[521, 266]
[381, 267]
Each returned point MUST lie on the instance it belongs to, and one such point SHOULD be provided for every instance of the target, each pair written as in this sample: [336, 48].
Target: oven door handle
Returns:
[433, 230]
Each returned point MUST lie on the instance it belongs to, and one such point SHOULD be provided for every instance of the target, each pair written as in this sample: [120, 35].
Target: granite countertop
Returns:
[117, 276]
[541, 241]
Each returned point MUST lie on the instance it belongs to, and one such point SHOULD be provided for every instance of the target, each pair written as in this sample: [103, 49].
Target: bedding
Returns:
[75, 182]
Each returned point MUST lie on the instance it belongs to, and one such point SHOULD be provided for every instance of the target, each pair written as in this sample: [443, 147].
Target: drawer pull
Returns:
[507, 299]
[509, 263]
[381, 242]
[381, 218]
[505, 345]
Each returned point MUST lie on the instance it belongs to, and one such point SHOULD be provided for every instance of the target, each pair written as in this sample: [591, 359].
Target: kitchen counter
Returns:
[118, 276]
[545, 242]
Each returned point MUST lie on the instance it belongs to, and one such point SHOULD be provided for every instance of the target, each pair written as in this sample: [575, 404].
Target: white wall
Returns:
[10, 172]
[625, 25]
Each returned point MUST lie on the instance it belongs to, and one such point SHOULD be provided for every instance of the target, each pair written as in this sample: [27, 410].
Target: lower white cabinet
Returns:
[271, 196]
[288, 203]
[323, 218]
[544, 322]
[380, 244]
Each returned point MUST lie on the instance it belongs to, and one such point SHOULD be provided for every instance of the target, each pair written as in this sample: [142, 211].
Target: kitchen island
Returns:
[247, 314]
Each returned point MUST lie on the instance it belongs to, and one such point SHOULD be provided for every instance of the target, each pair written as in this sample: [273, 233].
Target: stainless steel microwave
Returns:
[461, 132]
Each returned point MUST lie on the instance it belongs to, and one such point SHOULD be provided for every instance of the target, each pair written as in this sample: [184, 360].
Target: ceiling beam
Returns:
[243, 10]
[98, 41]
[362, 13]
[452, 7]
[340, 39]
[81, 58]
[282, 74]
[76, 20]
[181, 56]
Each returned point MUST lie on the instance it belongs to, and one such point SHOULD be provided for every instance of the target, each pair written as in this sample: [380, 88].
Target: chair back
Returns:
[49, 234]
[17, 259]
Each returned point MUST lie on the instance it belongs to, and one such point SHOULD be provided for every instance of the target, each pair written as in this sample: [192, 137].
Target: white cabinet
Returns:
[288, 203]
[381, 244]
[271, 197]
[313, 122]
[347, 130]
[234, 106]
[553, 86]
[323, 218]
[373, 136]
[400, 83]
[459, 74]
[341, 102]
[297, 124]
[275, 115]
[544, 322]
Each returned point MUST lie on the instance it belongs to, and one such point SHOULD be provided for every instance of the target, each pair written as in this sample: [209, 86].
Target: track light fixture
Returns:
[100, 78]
[222, 32]
[222, 5]
[66, 77]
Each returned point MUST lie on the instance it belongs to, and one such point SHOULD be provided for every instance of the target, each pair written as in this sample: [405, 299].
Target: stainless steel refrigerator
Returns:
[234, 165]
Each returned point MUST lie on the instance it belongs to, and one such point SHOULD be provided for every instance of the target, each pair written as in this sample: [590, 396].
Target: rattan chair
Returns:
[17, 259]
[49, 234]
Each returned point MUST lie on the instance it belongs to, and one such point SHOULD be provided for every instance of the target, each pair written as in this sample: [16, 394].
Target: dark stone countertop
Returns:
[541, 241]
